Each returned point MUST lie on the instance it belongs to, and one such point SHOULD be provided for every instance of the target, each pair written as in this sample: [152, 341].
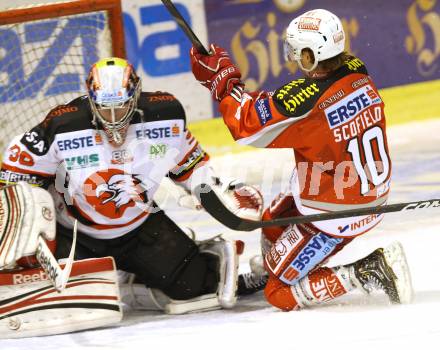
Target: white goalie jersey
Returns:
[108, 189]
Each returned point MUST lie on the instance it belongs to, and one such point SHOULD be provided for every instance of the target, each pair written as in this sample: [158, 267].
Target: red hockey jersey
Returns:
[336, 128]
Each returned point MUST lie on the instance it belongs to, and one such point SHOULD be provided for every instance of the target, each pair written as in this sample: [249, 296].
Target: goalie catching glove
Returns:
[217, 73]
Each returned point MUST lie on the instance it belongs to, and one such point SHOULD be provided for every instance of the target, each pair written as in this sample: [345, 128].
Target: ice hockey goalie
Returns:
[42, 296]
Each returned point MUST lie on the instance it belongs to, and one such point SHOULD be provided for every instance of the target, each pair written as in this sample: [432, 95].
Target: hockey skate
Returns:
[250, 282]
[385, 269]
[254, 281]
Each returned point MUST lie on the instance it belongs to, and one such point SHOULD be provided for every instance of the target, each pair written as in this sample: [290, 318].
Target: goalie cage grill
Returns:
[46, 51]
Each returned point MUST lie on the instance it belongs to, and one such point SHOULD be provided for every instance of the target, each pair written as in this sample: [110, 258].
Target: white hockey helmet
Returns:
[113, 89]
[318, 30]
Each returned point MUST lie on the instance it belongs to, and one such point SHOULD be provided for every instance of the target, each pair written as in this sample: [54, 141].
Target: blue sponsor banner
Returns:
[351, 106]
[398, 39]
[142, 50]
[313, 253]
[262, 108]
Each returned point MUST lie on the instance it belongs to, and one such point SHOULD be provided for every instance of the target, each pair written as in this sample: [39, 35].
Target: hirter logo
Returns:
[112, 192]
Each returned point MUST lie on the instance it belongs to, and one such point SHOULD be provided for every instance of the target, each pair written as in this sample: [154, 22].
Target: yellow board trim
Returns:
[403, 104]
[414, 102]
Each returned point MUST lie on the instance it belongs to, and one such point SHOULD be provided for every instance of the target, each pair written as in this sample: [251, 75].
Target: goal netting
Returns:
[46, 51]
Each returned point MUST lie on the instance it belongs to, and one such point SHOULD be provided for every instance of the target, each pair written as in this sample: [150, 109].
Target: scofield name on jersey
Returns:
[351, 106]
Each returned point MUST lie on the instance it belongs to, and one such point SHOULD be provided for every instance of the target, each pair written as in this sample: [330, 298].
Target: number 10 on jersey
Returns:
[363, 156]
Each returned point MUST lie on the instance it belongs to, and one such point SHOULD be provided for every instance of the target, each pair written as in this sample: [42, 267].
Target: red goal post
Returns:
[45, 53]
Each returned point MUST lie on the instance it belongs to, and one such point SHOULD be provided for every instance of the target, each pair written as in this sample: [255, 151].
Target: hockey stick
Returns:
[214, 206]
[56, 274]
[185, 27]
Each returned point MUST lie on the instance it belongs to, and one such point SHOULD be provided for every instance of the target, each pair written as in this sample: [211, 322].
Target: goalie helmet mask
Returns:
[113, 90]
[318, 30]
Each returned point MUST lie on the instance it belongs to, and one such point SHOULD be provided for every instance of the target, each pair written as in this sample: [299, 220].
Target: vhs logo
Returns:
[351, 106]
[80, 162]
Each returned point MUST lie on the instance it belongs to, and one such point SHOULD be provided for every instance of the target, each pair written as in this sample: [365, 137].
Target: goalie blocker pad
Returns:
[26, 212]
[30, 305]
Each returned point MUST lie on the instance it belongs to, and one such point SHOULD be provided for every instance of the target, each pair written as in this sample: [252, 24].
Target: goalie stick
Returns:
[214, 206]
[50, 265]
[185, 27]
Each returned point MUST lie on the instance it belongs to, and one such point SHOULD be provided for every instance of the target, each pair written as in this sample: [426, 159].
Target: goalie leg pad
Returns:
[226, 251]
[138, 297]
[206, 302]
[30, 305]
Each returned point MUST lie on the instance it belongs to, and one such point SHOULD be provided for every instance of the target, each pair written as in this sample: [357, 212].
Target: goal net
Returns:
[46, 51]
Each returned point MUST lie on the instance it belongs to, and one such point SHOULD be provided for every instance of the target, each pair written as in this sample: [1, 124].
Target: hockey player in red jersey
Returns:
[333, 119]
[102, 157]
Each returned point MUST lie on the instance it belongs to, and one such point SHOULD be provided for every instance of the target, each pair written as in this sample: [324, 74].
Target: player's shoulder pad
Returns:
[160, 105]
[73, 116]
[299, 96]
[353, 65]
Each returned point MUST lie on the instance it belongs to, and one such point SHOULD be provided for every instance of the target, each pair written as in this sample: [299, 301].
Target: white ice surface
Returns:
[355, 321]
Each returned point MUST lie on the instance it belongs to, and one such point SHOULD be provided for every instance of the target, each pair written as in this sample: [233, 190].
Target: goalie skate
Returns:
[385, 269]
